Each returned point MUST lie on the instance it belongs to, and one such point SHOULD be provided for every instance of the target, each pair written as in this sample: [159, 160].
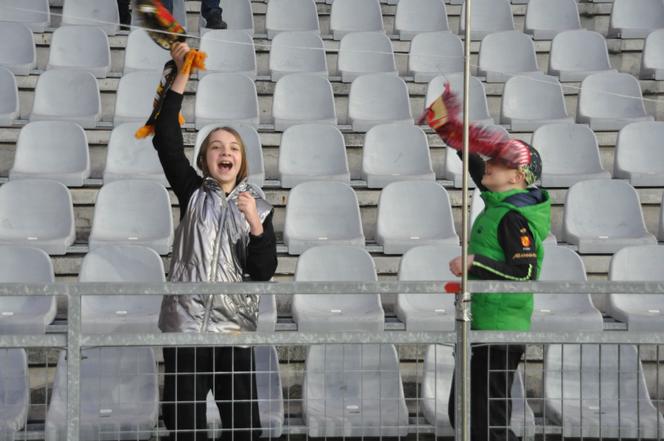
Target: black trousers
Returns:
[491, 375]
[229, 373]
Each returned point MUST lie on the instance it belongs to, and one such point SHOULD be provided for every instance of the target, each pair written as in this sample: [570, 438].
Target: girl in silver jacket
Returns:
[225, 235]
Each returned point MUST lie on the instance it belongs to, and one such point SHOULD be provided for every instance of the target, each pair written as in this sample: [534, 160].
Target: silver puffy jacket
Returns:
[211, 246]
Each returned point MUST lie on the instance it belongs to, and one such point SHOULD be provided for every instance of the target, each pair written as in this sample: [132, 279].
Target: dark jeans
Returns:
[491, 375]
[229, 372]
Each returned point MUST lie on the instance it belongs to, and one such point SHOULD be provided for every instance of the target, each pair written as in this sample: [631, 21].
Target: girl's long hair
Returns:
[201, 161]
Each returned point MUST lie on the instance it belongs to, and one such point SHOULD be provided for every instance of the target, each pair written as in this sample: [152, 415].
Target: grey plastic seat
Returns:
[652, 61]
[610, 101]
[635, 18]
[240, 103]
[416, 16]
[530, 102]
[297, 52]
[133, 212]
[291, 15]
[37, 213]
[378, 99]
[80, 47]
[303, 98]
[238, 15]
[321, 213]
[577, 54]
[9, 104]
[364, 53]
[354, 391]
[395, 152]
[564, 312]
[36, 14]
[142, 53]
[228, 51]
[660, 230]
[454, 167]
[546, 18]
[14, 392]
[69, 95]
[487, 16]
[334, 313]
[641, 312]
[252, 146]
[503, 54]
[413, 213]
[135, 96]
[569, 154]
[603, 216]
[479, 106]
[433, 53]
[25, 314]
[312, 152]
[355, 16]
[19, 56]
[592, 389]
[55, 150]
[639, 154]
[131, 158]
[100, 13]
[119, 395]
[424, 312]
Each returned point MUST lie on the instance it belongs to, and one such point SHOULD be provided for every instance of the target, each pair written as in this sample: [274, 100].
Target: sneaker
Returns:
[214, 21]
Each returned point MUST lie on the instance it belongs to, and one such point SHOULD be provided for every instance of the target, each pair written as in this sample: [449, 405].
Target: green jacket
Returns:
[498, 311]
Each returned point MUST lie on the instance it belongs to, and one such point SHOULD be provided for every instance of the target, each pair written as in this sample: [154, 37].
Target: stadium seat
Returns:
[238, 15]
[487, 16]
[240, 103]
[36, 14]
[135, 96]
[301, 98]
[25, 314]
[37, 213]
[364, 53]
[503, 54]
[355, 16]
[546, 18]
[9, 103]
[291, 15]
[479, 107]
[415, 16]
[564, 312]
[142, 53]
[641, 312]
[530, 102]
[321, 213]
[660, 230]
[130, 158]
[55, 150]
[14, 392]
[341, 312]
[413, 213]
[603, 216]
[297, 52]
[69, 95]
[80, 47]
[425, 312]
[133, 212]
[378, 99]
[100, 13]
[652, 61]
[569, 154]
[433, 53]
[635, 18]
[20, 55]
[354, 391]
[591, 389]
[312, 152]
[610, 101]
[229, 52]
[252, 146]
[395, 152]
[453, 165]
[639, 154]
[119, 395]
[577, 54]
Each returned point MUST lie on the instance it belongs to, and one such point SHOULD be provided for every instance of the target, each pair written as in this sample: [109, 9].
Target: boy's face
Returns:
[498, 177]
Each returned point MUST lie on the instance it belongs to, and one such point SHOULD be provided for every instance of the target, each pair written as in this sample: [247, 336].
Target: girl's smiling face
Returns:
[224, 158]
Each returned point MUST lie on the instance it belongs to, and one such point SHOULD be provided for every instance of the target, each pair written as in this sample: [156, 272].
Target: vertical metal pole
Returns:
[73, 365]
[462, 358]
